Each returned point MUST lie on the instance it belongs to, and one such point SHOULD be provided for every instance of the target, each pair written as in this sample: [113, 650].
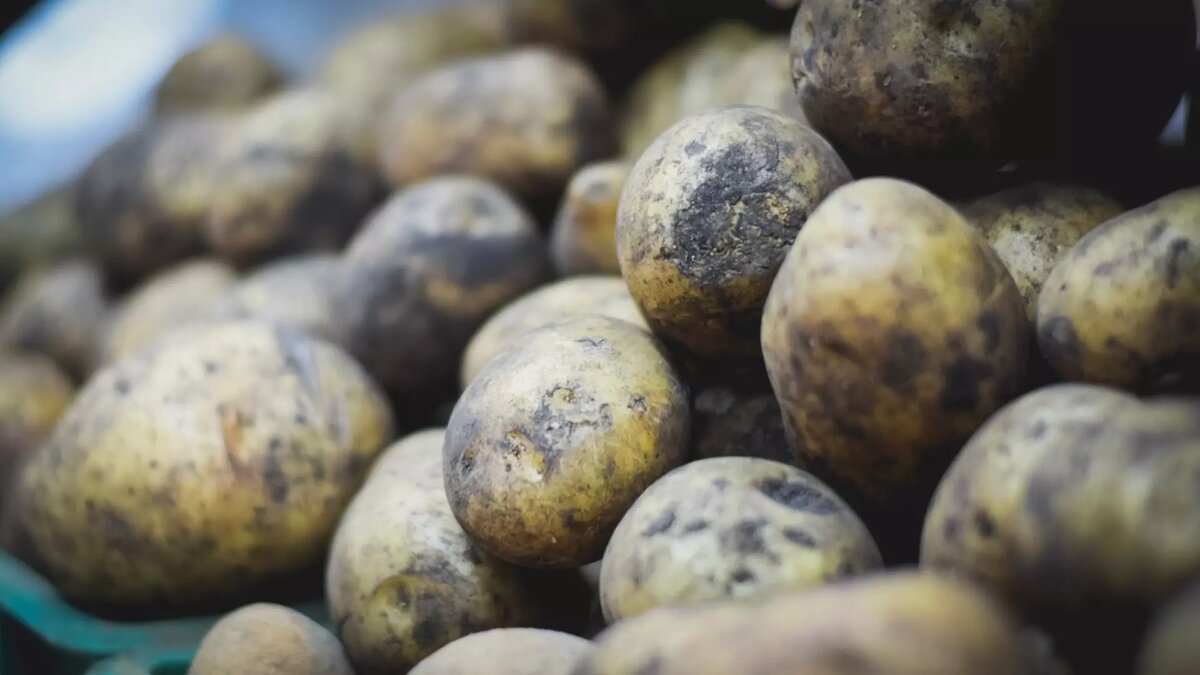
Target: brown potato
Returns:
[226, 72]
[507, 651]
[58, 311]
[732, 425]
[267, 639]
[891, 333]
[297, 292]
[1170, 647]
[584, 235]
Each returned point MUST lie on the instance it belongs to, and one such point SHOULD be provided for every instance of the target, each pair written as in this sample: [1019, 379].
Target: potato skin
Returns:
[547, 115]
[227, 72]
[403, 578]
[890, 338]
[507, 651]
[41, 231]
[199, 468]
[34, 394]
[267, 638]
[297, 292]
[901, 623]
[1170, 646]
[1032, 227]
[1123, 306]
[730, 527]
[603, 295]
[58, 311]
[584, 235]
[762, 76]
[727, 424]
[558, 435]
[707, 216]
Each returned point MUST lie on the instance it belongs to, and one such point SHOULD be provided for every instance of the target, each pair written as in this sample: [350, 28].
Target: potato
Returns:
[762, 76]
[41, 231]
[266, 638]
[702, 86]
[295, 174]
[707, 216]
[896, 624]
[558, 435]
[58, 311]
[1123, 306]
[403, 578]
[507, 651]
[1032, 227]
[730, 527]
[526, 119]
[891, 333]
[606, 296]
[171, 300]
[226, 72]
[297, 292]
[1170, 648]
[584, 235]
[34, 393]
[428, 267]
[731, 425]
[199, 468]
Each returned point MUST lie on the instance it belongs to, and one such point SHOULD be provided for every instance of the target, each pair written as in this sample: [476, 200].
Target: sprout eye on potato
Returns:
[584, 239]
[224, 73]
[267, 638]
[507, 651]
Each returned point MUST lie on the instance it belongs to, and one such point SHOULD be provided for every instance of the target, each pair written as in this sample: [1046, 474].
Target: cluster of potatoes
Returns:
[849, 351]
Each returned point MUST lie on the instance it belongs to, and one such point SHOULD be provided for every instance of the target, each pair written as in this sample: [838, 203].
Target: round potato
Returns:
[707, 216]
[896, 624]
[507, 651]
[558, 435]
[164, 303]
[403, 578]
[266, 638]
[428, 267]
[295, 174]
[1170, 647]
[762, 76]
[1123, 306]
[891, 333]
[584, 235]
[1032, 227]
[296, 292]
[730, 527]
[227, 72]
[41, 231]
[34, 393]
[199, 468]
[606, 296]
[58, 311]
[526, 119]
[732, 425]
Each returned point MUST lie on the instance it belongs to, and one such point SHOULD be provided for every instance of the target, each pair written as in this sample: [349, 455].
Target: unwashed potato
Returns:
[41, 231]
[428, 267]
[296, 292]
[403, 578]
[762, 76]
[584, 235]
[295, 173]
[34, 393]
[1032, 227]
[584, 25]
[507, 651]
[731, 425]
[268, 639]
[707, 216]
[1123, 306]
[1170, 647]
[730, 527]
[58, 311]
[891, 333]
[166, 302]
[557, 437]
[526, 119]
[897, 624]
[199, 468]
[226, 72]
[606, 296]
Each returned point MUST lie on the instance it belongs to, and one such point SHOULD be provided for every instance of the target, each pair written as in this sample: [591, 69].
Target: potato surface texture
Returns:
[584, 236]
[297, 292]
[266, 639]
[507, 651]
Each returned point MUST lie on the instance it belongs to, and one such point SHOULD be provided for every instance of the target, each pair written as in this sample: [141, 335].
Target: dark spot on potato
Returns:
[1155, 232]
[799, 537]
[637, 403]
[210, 367]
[1106, 268]
[1175, 253]
[694, 148]
[695, 526]
[274, 477]
[721, 483]
[122, 386]
[963, 378]
[984, 524]
[950, 529]
[798, 496]
[745, 536]
[427, 632]
[568, 520]
[904, 361]
[742, 576]
[660, 524]
[1036, 431]
[989, 325]
[652, 666]
[1058, 341]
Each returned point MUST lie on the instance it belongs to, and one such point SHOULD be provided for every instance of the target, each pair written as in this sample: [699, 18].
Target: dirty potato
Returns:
[1123, 306]
[34, 393]
[584, 236]
[730, 527]
[59, 311]
[227, 72]
[762, 76]
[891, 333]
[606, 296]
[1170, 646]
[507, 651]
[558, 435]
[200, 468]
[267, 638]
[526, 119]
[296, 292]
[707, 216]
[729, 424]
[582, 25]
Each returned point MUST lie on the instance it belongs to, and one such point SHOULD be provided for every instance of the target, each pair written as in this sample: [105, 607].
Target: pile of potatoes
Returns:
[872, 348]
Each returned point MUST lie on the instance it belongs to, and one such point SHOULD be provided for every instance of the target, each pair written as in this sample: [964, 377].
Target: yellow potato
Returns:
[264, 639]
[34, 393]
[226, 72]
[584, 235]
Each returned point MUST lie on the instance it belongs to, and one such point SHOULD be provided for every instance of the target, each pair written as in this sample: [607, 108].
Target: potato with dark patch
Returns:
[1170, 647]
[268, 639]
[58, 311]
[896, 624]
[171, 300]
[763, 76]
[605, 296]
[584, 235]
[202, 467]
[34, 393]
[41, 231]
[891, 333]
[297, 292]
[427, 268]
[558, 435]
[295, 173]
[707, 216]
[1033, 226]
[1123, 306]
[526, 119]
[224, 73]
[729, 424]
[730, 527]
[507, 651]
[403, 578]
